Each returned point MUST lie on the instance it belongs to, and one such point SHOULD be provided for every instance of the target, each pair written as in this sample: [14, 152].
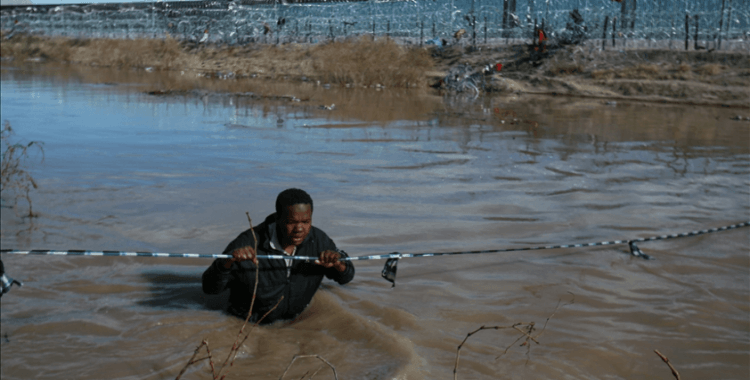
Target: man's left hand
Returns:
[330, 259]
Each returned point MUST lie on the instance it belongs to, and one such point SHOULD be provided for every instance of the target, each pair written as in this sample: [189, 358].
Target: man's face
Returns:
[294, 224]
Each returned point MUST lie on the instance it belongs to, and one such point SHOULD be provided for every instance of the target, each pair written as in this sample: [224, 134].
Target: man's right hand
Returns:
[241, 254]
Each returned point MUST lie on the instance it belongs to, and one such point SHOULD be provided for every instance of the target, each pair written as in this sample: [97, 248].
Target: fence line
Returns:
[645, 23]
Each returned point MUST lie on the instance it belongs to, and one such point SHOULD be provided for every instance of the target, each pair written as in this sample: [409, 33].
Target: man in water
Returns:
[288, 232]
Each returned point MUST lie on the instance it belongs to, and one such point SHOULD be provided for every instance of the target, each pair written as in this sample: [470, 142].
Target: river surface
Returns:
[388, 171]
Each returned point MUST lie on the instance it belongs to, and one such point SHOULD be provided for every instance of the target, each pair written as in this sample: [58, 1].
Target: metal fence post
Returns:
[687, 30]
[695, 39]
[604, 31]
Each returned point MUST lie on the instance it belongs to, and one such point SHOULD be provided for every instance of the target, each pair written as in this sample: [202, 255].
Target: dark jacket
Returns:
[298, 289]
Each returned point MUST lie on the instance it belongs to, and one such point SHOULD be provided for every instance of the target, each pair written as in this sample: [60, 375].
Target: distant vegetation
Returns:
[357, 61]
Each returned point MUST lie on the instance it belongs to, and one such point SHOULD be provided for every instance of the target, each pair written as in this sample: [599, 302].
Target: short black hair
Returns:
[291, 197]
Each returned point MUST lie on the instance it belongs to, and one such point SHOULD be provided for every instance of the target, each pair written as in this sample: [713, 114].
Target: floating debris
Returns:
[463, 78]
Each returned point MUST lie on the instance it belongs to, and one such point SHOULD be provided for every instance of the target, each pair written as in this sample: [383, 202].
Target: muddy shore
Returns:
[718, 78]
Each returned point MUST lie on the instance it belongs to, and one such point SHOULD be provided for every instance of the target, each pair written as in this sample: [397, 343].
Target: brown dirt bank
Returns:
[665, 76]
[668, 76]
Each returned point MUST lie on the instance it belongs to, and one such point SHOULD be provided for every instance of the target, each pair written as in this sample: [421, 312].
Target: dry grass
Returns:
[25, 47]
[359, 62]
[160, 54]
[363, 62]
[566, 69]
[710, 69]
[682, 71]
[641, 71]
[163, 54]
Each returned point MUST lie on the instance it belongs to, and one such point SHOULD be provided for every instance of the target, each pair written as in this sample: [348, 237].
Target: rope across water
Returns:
[634, 250]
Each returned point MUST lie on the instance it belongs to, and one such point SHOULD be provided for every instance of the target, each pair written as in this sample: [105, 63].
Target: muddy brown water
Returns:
[389, 171]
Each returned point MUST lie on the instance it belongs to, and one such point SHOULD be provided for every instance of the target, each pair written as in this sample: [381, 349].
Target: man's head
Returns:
[291, 197]
[294, 209]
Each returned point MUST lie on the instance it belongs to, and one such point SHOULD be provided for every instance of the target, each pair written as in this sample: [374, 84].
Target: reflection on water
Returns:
[391, 171]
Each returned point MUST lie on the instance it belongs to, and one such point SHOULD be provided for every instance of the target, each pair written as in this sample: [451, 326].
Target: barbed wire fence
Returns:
[711, 24]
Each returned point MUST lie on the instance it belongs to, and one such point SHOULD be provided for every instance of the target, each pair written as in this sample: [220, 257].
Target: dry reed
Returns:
[710, 69]
[359, 62]
[363, 62]
[13, 176]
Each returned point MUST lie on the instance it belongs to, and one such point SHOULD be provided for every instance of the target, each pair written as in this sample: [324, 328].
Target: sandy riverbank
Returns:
[655, 75]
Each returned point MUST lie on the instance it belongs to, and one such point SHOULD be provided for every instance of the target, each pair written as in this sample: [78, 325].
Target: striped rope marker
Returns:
[389, 270]
[394, 255]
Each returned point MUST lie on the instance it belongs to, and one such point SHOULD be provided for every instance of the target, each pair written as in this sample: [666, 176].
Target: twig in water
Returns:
[513, 344]
[193, 360]
[530, 328]
[666, 360]
[316, 372]
[524, 328]
[572, 301]
[251, 330]
[236, 346]
[458, 350]
[255, 289]
[335, 375]
[210, 359]
[237, 343]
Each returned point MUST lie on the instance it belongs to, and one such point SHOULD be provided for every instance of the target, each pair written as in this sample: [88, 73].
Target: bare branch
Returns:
[316, 372]
[335, 375]
[210, 359]
[530, 328]
[256, 324]
[666, 360]
[237, 343]
[509, 346]
[192, 360]
[235, 346]
[525, 329]
[572, 301]
[458, 350]
[13, 176]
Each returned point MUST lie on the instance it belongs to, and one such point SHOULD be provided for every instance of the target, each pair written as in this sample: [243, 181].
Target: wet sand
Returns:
[126, 170]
